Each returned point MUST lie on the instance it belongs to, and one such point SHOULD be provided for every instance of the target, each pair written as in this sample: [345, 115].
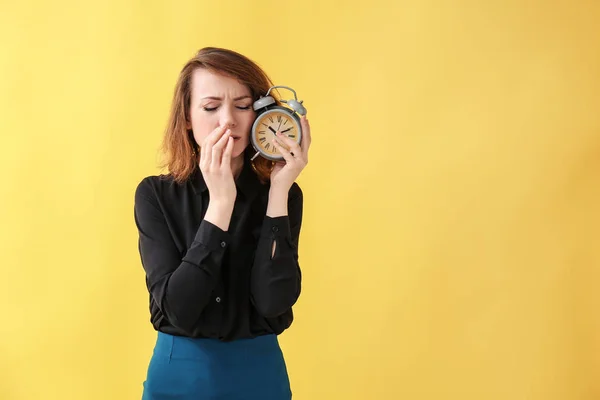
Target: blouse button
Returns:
[218, 299]
[275, 229]
[223, 244]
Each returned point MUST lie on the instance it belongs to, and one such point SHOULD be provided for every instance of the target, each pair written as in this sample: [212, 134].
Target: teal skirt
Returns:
[183, 368]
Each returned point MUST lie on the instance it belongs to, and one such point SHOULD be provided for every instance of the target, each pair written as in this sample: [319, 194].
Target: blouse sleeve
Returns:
[276, 279]
[181, 286]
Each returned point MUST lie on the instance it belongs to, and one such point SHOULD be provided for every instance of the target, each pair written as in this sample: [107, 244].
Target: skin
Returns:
[221, 117]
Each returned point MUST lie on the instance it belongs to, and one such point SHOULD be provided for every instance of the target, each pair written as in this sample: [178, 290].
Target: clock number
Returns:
[271, 119]
[267, 146]
[279, 118]
[262, 139]
[285, 122]
[265, 124]
[291, 136]
[261, 132]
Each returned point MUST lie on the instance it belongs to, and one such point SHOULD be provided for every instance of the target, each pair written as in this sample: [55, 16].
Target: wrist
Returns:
[222, 204]
[279, 188]
[278, 201]
[219, 213]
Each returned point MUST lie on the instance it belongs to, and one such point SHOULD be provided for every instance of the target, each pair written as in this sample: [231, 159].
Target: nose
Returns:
[227, 118]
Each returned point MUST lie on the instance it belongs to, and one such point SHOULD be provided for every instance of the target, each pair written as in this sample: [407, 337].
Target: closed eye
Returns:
[209, 109]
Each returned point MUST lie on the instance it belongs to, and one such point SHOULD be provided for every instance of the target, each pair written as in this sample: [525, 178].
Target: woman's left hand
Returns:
[284, 173]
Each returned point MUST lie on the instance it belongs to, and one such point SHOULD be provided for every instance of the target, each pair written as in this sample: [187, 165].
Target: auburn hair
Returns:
[181, 153]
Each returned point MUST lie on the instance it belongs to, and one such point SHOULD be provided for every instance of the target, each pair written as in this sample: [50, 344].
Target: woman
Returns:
[218, 239]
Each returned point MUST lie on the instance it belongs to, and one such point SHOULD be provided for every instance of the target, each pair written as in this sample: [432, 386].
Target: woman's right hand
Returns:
[215, 165]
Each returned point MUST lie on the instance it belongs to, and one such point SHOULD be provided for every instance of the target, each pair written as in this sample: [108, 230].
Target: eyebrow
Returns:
[220, 98]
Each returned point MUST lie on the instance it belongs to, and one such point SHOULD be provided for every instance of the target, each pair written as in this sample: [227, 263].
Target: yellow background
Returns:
[451, 238]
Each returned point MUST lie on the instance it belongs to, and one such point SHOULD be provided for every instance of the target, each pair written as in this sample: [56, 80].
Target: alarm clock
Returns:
[272, 118]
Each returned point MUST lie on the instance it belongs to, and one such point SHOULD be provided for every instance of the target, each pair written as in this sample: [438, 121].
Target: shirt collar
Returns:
[247, 182]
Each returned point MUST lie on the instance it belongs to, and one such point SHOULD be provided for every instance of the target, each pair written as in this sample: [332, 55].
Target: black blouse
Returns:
[206, 282]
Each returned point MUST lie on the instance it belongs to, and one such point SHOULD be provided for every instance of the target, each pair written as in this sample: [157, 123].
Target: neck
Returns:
[236, 165]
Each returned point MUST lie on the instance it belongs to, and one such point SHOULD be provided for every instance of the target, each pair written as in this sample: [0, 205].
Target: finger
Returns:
[207, 145]
[222, 142]
[293, 146]
[215, 135]
[287, 156]
[204, 156]
[306, 137]
[226, 162]
[218, 148]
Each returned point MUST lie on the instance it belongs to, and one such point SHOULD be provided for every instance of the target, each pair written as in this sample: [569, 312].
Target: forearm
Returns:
[278, 202]
[219, 213]
[182, 287]
[276, 277]
[184, 294]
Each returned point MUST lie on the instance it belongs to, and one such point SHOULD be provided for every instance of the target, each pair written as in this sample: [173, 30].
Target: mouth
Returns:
[236, 138]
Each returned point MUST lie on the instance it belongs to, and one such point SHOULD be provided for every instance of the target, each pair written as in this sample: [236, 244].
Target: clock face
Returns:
[267, 125]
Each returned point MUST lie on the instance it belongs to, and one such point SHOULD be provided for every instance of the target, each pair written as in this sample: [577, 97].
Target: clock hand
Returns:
[272, 130]
[288, 129]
